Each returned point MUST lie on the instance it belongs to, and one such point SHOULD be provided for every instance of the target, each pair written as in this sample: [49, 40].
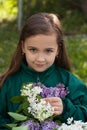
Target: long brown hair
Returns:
[41, 23]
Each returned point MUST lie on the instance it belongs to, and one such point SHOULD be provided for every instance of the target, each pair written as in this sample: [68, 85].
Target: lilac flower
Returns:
[49, 125]
[47, 92]
[73, 125]
[58, 91]
[31, 125]
[45, 125]
[63, 91]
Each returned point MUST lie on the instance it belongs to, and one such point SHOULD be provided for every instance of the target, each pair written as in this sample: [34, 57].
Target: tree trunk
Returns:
[19, 14]
[84, 6]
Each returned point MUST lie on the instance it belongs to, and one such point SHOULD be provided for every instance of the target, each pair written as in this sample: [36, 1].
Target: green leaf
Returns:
[23, 108]
[17, 99]
[20, 128]
[17, 116]
[20, 109]
[11, 125]
[25, 105]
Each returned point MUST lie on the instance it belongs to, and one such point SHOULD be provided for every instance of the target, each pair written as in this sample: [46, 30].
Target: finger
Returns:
[52, 99]
[56, 104]
[57, 108]
[57, 111]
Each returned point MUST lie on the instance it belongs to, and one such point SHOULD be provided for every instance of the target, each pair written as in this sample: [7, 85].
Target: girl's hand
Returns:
[56, 103]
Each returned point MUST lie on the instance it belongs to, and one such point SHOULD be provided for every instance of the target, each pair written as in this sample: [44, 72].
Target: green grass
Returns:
[76, 45]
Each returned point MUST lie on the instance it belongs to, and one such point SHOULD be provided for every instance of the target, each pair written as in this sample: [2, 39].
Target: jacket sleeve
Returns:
[4, 118]
[75, 103]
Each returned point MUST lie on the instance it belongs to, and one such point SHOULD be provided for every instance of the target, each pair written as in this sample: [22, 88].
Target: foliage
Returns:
[69, 11]
[10, 9]
[8, 42]
[77, 48]
[72, 25]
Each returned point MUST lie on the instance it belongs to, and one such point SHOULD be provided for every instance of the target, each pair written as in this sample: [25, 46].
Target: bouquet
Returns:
[35, 114]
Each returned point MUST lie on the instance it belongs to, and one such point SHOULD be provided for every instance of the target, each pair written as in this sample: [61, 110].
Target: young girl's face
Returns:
[40, 51]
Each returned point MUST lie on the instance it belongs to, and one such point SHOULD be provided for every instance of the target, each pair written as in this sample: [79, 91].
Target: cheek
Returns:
[51, 58]
[29, 57]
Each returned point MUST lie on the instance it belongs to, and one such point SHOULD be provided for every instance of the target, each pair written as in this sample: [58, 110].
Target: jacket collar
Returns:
[40, 75]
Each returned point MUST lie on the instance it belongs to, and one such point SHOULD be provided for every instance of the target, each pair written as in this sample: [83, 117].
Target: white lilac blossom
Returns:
[27, 90]
[69, 120]
[37, 107]
[74, 125]
[41, 110]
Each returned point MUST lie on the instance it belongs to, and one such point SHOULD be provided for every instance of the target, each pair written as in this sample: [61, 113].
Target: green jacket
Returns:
[75, 103]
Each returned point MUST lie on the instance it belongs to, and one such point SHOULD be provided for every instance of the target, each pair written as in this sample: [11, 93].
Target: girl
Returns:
[41, 57]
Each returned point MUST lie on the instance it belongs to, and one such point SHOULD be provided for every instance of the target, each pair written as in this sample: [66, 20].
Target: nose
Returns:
[40, 58]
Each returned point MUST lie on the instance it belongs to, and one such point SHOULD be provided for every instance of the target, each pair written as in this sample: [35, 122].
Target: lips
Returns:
[40, 65]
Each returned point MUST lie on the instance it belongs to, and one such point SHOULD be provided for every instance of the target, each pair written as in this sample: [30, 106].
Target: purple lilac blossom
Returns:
[47, 92]
[31, 125]
[45, 125]
[62, 89]
[49, 125]
[58, 91]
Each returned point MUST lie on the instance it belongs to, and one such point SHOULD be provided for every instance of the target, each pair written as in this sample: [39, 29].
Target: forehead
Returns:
[42, 40]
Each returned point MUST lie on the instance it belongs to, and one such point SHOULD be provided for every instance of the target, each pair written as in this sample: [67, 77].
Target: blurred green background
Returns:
[73, 16]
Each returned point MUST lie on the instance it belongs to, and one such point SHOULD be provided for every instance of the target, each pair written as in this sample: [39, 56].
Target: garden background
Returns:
[73, 15]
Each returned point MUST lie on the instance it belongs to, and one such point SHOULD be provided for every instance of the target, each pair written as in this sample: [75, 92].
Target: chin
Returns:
[39, 70]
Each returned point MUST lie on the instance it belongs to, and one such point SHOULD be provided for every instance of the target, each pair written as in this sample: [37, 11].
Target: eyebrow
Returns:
[50, 48]
[31, 47]
[37, 48]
